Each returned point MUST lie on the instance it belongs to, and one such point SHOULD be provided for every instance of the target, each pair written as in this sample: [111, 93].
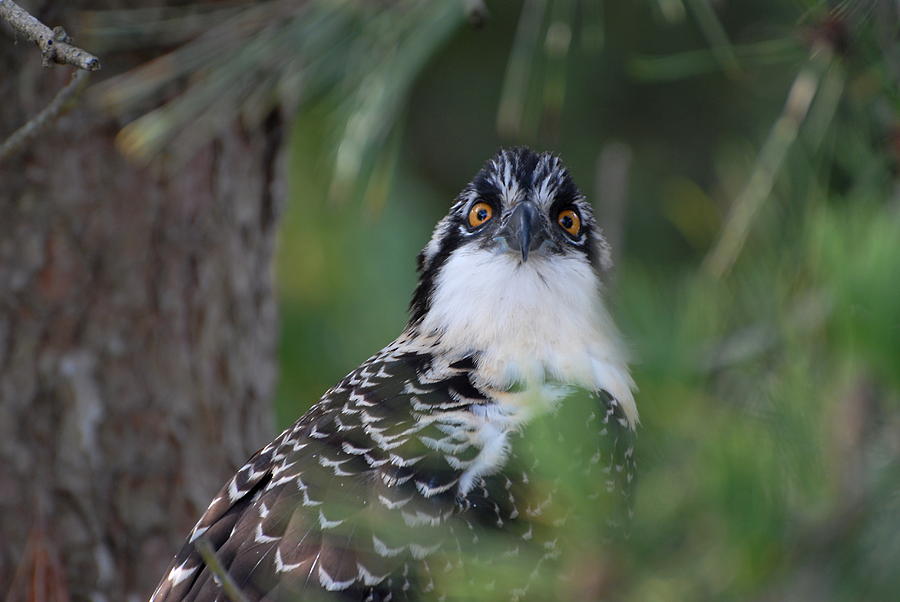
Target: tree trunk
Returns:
[137, 336]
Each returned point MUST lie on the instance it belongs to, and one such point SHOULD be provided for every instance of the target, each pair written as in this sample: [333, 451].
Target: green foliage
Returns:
[247, 58]
[769, 393]
[769, 377]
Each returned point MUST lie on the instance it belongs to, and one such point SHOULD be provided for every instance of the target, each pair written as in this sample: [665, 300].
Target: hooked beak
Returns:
[524, 231]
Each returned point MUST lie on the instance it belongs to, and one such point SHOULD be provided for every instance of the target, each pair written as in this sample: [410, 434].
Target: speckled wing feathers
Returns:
[287, 518]
[356, 498]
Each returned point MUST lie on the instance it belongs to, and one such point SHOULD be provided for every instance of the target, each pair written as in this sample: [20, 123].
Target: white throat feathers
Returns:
[531, 323]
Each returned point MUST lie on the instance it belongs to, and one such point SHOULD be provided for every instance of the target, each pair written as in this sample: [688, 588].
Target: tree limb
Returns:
[54, 44]
[782, 136]
[34, 126]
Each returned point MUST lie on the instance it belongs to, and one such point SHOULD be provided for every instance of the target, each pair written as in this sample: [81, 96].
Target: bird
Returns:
[393, 485]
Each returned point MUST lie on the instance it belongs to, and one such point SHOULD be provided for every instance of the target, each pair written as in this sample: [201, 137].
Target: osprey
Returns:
[385, 488]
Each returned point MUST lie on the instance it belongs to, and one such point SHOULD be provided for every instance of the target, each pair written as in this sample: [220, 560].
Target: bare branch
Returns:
[762, 179]
[31, 129]
[229, 587]
[54, 44]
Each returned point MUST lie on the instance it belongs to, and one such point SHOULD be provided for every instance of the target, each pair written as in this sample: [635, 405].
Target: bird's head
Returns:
[512, 276]
[521, 211]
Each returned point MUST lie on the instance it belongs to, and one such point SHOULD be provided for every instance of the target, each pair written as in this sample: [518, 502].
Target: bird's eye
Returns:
[569, 221]
[479, 214]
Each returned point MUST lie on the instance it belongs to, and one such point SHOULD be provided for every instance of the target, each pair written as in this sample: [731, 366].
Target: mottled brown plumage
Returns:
[387, 487]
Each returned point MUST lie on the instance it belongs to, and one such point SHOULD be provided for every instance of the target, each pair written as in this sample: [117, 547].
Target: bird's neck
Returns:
[527, 324]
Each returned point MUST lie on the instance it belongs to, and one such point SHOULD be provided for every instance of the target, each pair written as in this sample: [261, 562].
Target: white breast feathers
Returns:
[530, 323]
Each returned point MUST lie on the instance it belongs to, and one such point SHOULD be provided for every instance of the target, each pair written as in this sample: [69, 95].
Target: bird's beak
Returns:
[524, 230]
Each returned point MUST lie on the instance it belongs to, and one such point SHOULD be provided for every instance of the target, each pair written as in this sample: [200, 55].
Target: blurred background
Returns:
[743, 161]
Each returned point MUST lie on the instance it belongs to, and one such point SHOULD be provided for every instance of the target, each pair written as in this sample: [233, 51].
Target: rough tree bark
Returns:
[137, 331]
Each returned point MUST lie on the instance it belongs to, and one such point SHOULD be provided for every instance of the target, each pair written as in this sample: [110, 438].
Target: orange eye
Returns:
[479, 214]
[569, 221]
